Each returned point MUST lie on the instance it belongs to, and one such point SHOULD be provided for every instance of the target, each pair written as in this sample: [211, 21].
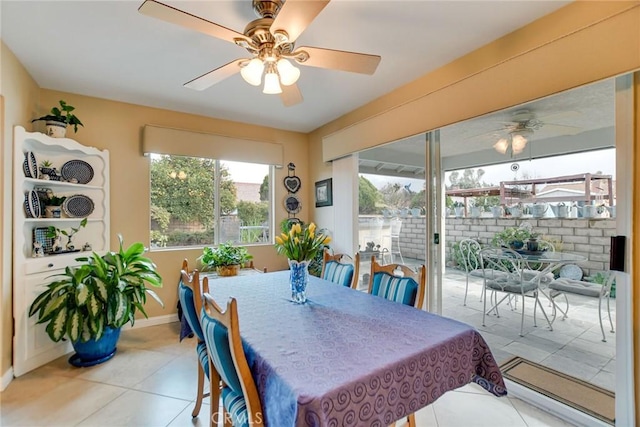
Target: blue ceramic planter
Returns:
[95, 352]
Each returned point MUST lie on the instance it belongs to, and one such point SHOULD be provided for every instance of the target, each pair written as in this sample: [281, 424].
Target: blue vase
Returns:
[93, 352]
[298, 279]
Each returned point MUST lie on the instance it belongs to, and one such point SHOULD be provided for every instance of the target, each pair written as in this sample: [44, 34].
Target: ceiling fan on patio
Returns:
[520, 129]
[270, 41]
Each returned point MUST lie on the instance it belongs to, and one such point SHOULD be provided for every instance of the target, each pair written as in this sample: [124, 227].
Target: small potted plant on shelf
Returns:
[52, 205]
[55, 233]
[226, 259]
[89, 303]
[45, 167]
[57, 120]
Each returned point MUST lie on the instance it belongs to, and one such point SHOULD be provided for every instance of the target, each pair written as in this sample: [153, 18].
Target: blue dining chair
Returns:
[341, 269]
[228, 364]
[191, 303]
[399, 283]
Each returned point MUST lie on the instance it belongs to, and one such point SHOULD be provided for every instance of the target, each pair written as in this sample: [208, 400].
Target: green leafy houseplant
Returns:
[225, 255]
[512, 234]
[104, 291]
[62, 115]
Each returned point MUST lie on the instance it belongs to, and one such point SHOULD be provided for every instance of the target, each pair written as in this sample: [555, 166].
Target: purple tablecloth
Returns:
[349, 358]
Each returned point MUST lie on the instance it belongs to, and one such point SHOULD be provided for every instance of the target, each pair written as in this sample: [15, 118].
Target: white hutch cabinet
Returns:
[83, 178]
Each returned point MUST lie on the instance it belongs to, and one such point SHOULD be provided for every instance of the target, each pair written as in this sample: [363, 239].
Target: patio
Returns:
[574, 346]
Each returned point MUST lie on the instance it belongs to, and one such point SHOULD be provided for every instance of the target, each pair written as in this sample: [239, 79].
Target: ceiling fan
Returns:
[524, 123]
[270, 40]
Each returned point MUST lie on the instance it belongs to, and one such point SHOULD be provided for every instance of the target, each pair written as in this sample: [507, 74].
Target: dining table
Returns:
[348, 358]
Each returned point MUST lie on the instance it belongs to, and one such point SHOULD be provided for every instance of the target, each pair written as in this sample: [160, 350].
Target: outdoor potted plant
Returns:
[57, 120]
[512, 237]
[89, 303]
[458, 209]
[226, 259]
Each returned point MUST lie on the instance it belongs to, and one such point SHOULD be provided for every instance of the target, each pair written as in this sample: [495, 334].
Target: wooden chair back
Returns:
[222, 334]
[343, 259]
[400, 271]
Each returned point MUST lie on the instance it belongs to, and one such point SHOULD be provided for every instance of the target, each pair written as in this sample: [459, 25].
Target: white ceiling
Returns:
[108, 50]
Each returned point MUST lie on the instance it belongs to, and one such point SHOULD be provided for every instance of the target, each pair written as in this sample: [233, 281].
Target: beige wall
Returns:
[117, 127]
[20, 94]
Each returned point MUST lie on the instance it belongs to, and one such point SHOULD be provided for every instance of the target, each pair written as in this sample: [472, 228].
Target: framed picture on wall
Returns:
[324, 193]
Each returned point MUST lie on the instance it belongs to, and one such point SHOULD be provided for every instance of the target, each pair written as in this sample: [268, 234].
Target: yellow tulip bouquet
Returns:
[301, 243]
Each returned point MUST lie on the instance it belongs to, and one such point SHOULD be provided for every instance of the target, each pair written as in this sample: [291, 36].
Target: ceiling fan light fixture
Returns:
[501, 146]
[518, 142]
[288, 73]
[271, 84]
[252, 72]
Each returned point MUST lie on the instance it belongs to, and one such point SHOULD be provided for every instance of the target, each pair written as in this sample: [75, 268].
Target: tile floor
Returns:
[152, 379]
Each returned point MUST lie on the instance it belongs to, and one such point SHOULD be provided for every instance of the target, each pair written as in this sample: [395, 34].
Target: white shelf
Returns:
[39, 183]
[56, 220]
[32, 346]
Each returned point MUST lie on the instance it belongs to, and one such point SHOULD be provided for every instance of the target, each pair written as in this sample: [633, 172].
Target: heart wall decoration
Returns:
[292, 183]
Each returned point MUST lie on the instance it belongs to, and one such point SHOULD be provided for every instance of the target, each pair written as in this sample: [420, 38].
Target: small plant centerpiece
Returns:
[512, 237]
[226, 259]
[58, 119]
[89, 303]
[300, 245]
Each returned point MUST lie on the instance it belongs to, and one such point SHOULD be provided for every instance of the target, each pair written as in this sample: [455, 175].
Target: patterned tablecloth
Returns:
[346, 358]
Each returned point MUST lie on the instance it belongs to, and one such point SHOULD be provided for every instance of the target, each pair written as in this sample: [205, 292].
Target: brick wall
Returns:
[587, 237]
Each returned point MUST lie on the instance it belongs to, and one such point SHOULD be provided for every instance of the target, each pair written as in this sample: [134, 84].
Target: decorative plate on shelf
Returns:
[30, 165]
[571, 271]
[40, 234]
[77, 169]
[32, 204]
[78, 206]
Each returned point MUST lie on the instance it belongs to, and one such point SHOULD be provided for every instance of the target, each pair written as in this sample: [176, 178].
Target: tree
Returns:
[253, 213]
[183, 186]
[264, 189]
[471, 178]
[368, 196]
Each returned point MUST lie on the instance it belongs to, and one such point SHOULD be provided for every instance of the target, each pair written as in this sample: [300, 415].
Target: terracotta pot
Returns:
[228, 270]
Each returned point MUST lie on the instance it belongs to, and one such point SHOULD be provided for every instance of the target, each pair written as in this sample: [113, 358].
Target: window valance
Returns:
[181, 142]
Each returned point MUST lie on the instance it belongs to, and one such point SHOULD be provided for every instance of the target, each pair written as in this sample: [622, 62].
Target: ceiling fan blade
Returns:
[563, 129]
[172, 15]
[339, 60]
[295, 16]
[291, 95]
[215, 76]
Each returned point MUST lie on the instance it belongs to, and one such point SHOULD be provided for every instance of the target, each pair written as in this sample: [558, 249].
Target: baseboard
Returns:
[554, 407]
[7, 377]
[152, 321]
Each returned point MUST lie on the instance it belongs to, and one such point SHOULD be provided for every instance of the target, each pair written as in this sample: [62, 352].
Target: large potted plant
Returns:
[88, 304]
[226, 259]
[57, 120]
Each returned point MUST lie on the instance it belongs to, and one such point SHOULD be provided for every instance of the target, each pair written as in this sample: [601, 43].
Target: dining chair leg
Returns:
[604, 337]
[466, 289]
[200, 396]
[609, 311]
[522, 319]
[544, 313]
[411, 420]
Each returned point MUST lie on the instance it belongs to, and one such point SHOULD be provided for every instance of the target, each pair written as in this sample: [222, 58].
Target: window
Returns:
[201, 201]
